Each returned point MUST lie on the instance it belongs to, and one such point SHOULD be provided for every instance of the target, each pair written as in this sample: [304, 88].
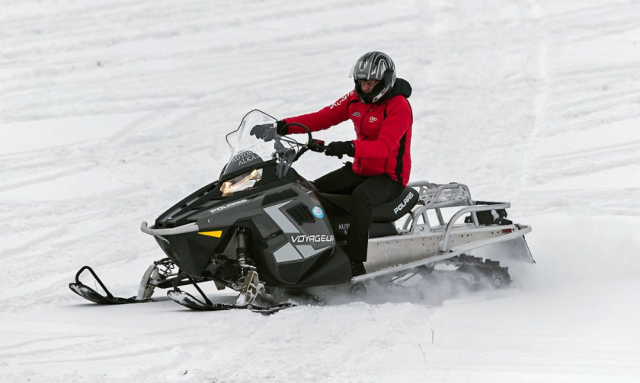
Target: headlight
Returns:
[241, 182]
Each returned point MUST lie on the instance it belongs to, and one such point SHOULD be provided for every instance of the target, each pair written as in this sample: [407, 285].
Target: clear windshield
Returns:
[249, 153]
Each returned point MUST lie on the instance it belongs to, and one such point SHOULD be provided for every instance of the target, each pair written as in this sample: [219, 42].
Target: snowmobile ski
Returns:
[90, 294]
[189, 301]
[153, 277]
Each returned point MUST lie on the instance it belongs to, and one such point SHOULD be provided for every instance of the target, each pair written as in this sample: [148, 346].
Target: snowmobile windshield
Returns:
[249, 152]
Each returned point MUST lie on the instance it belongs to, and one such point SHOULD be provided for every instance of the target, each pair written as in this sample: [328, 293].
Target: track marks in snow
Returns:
[604, 201]
[592, 20]
[605, 95]
[71, 215]
[585, 133]
[53, 163]
[137, 58]
[15, 251]
[45, 178]
[486, 60]
[585, 162]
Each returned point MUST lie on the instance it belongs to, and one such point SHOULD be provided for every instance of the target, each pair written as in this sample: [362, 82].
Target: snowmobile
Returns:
[267, 233]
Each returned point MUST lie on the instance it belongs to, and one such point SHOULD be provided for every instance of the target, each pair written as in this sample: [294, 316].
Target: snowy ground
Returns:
[111, 111]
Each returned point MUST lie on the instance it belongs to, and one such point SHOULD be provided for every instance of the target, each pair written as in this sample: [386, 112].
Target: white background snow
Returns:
[111, 111]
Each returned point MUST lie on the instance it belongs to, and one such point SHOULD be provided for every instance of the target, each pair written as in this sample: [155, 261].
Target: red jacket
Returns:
[383, 131]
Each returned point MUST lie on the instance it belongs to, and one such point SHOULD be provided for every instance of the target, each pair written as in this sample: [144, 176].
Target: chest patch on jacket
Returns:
[356, 114]
[373, 119]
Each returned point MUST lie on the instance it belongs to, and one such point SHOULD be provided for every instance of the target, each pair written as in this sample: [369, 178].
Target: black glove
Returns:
[265, 132]
[316, 146]
[281, 129]
[340, 148]
[268, 132]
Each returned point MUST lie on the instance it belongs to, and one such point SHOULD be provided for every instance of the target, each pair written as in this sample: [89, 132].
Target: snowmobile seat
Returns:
[384, 213]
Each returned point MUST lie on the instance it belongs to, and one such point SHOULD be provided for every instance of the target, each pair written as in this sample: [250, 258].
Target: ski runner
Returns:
[383, 119]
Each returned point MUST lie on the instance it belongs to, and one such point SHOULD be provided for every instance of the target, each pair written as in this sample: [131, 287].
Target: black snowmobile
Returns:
[267, 233]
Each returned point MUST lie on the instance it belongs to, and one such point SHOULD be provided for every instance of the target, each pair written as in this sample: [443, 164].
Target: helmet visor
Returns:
[367, 70]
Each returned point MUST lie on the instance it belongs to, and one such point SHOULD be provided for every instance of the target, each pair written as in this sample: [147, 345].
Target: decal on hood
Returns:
[312, 238]
[232, 204]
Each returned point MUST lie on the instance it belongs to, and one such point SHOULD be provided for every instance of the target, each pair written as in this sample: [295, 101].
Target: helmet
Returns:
[374, 66]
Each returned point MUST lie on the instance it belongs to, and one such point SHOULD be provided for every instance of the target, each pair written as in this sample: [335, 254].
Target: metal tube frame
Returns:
[188, 228]
[429, 198]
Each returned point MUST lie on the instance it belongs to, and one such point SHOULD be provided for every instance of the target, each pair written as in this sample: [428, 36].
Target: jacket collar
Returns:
[400, 88]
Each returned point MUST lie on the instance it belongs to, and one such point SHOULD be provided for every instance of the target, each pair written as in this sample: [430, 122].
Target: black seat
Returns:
[386, 212]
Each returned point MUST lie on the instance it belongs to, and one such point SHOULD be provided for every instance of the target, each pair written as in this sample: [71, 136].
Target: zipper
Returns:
[363, 118]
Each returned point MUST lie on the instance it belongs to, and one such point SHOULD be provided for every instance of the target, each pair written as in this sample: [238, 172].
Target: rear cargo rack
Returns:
[436, 197]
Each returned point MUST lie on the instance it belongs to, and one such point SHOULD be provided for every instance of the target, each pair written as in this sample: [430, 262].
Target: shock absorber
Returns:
[248, 284]
[241, 251]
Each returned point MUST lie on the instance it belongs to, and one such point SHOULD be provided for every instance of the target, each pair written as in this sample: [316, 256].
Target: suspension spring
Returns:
[241, 251]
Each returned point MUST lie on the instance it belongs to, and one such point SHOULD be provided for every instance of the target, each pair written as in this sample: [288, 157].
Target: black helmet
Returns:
[374, 66]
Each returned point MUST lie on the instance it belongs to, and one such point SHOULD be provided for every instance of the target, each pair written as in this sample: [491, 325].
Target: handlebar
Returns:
[300, 125]
[317, 146]
[312, 144]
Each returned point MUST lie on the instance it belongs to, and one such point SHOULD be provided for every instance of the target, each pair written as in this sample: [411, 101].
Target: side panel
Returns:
[390, 251]
[291, 238]
[304, 254]
[192, 251]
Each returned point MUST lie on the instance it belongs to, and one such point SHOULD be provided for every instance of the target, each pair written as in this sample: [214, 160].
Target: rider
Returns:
[382, 118]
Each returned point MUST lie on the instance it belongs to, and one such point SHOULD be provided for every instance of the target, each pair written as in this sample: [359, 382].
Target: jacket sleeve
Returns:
[398, 121]
[324, 118]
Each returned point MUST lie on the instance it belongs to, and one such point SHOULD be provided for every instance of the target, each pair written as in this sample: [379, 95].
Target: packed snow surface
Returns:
[111, 111]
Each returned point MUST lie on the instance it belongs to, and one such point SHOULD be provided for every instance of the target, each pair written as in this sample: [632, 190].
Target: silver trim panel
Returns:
[308, 251]
[287, 253]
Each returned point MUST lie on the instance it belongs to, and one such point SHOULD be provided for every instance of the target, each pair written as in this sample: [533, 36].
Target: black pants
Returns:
[366, 192]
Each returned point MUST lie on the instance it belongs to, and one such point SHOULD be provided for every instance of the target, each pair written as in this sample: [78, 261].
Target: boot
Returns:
[357, 268]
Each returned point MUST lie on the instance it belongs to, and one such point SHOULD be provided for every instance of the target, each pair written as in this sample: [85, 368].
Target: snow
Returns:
[111, 111]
